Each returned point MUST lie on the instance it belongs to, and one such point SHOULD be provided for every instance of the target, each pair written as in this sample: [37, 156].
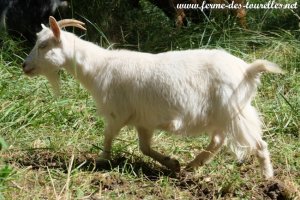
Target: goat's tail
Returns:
[246, 89]
[244, 130]
[263, 66]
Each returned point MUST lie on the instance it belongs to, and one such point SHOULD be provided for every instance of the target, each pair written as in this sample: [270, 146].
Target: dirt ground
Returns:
[200, 187]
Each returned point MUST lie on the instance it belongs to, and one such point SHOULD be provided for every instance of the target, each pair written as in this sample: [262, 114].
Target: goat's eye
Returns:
[43, 45]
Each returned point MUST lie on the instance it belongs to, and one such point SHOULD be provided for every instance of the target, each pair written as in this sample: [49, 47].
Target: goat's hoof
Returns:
[186, 174]
[268, 174]
[102, 160]
[105, 156]
[172, 164]
[102, 163]
[194, 164]
[191, 167]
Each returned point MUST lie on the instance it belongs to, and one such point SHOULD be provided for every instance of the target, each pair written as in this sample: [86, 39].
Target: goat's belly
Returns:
[178, 128]
[181, 127]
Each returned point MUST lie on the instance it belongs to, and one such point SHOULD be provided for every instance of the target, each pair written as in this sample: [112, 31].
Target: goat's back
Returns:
[179, 90]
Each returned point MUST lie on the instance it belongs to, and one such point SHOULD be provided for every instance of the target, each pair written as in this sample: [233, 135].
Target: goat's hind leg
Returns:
[263, 156]
[145, 137]
[210, 151]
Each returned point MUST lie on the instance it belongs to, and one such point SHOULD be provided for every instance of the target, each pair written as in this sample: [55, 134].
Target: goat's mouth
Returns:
[29, 71]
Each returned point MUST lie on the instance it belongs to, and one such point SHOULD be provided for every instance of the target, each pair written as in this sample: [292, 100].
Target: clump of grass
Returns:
[5, 170]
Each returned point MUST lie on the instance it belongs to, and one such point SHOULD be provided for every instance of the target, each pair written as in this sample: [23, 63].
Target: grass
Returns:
[52, 142]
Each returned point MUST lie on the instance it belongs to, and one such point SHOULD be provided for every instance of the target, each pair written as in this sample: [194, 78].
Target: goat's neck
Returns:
[85, 61]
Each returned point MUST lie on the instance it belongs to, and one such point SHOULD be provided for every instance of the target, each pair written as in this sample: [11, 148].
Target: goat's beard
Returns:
[54, 81]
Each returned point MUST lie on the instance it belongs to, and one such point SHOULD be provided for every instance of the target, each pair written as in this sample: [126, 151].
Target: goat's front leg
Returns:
[110, 132]
[203, 157]
[145, 137]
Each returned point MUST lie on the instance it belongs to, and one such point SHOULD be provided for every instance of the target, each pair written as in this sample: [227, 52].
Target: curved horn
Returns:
[71, 22]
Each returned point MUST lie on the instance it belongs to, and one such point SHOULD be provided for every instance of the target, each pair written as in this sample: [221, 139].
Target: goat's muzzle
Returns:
[27, 70]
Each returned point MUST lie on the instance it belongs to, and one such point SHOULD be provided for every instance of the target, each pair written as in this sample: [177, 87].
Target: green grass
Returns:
[49, 139]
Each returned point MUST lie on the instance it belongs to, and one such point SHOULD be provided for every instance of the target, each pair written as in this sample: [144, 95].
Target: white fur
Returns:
[184, 92]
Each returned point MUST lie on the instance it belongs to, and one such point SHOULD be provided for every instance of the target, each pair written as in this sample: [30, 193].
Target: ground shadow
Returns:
[199, 186]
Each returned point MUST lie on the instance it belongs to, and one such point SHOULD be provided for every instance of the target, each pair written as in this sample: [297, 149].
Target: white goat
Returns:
[183, 92]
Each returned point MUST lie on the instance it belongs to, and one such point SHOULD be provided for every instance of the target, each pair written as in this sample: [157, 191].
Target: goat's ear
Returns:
[54, 27]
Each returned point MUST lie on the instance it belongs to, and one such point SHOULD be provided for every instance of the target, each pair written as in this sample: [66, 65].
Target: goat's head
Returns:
[48, 54]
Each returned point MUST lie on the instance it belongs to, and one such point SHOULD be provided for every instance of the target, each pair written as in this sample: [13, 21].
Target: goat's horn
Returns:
[71, 22]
